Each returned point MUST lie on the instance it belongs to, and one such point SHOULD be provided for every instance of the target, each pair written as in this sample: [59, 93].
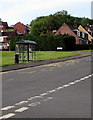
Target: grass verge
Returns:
[8, 56]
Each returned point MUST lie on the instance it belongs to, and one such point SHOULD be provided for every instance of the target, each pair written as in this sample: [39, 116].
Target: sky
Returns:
[24, 11]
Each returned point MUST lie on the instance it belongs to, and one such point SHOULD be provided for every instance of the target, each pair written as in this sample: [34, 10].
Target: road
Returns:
[59, 90]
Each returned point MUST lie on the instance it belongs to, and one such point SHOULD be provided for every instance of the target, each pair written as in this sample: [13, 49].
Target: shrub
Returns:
[68, 43]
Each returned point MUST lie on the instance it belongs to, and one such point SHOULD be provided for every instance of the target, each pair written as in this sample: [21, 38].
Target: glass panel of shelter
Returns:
[26, 52]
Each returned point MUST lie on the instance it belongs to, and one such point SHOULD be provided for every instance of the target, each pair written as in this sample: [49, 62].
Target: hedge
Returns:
[84, 47]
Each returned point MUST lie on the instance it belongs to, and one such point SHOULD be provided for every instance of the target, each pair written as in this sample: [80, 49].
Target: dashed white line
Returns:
[48, 99]
[40, 96]
[43, 94]
[51, 91]
[21, 109]
[66, 85]
[34, 104]
[7, 108]
[77, 81]
[7, 116]
[22, 102]
[31, 98]
[60, 88]
[72, 83]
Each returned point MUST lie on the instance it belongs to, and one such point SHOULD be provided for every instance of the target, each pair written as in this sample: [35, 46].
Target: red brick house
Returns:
[21, 28]
[65, 29]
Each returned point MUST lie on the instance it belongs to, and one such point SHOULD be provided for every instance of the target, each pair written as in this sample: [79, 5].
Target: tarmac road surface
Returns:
[57, 90]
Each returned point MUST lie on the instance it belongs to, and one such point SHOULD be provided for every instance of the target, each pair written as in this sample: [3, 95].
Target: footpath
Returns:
[38, 63]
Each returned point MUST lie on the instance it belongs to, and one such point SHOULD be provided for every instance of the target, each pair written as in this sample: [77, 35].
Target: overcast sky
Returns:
[13, 11]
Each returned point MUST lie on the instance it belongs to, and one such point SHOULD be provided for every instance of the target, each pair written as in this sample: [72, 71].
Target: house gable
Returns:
[65, 29]
[83, 30]
[20, 28]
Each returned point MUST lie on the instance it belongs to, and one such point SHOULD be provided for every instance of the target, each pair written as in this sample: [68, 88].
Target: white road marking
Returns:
[40, 96]
[60, 88]
[82, 79]
[21, 109]
[66, 85]
[51, 91]
[34, 104]
[77, 81]
[43, 94]
[48, 99]
[72, 83]
[22, 102]
[7, 108]
[7, 116]
[31, 98]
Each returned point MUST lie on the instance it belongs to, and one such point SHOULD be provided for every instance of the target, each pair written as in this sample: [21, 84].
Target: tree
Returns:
[59, 13]
[84, 21]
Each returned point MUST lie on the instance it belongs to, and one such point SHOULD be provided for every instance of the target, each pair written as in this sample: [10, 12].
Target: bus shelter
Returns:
[25, 51]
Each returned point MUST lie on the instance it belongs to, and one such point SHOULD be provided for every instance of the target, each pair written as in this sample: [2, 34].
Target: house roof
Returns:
[66, 29]
[81, 28]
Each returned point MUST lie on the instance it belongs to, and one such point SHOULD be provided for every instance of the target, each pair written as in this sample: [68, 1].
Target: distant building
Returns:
[80, 34]
[65, 29]
[92, 10]
[21, 29]
[82, 29]
[6, 34]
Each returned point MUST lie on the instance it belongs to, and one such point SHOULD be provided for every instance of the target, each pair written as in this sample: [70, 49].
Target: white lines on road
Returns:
[72, 83]
[22, 102]
[34, 104]
[7, 116]
[7, 108]
[49, 98]
[66, 85]
[35, 97]
[21, 109]
[51, 91]
[59, 88]
[41, 96]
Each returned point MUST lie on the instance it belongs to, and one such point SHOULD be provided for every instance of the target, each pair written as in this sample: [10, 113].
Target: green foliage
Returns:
[69, 43]
[16, 39]
[50, 43]
[84, 21]
[44, 25]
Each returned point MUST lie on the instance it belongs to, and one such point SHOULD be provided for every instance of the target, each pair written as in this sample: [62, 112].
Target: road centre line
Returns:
[34, 104]
[32, 98]
[22, 102]
[7, 108]
[21, 109]
[48, 99]
[40, 96]
[7, 116]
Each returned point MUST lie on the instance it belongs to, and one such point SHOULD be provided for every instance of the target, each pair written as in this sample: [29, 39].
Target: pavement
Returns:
[38, 63]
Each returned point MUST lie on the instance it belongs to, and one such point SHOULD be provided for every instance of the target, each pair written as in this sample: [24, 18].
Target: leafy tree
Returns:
[84, 21]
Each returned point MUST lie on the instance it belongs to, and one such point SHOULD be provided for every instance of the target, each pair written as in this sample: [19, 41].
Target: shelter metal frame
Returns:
[26, 50]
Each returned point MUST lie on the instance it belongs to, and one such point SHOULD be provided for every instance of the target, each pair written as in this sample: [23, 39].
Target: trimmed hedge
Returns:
[84, 47]
[50, 43]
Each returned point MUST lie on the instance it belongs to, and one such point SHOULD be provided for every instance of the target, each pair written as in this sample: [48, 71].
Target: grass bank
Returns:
[8, 56]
